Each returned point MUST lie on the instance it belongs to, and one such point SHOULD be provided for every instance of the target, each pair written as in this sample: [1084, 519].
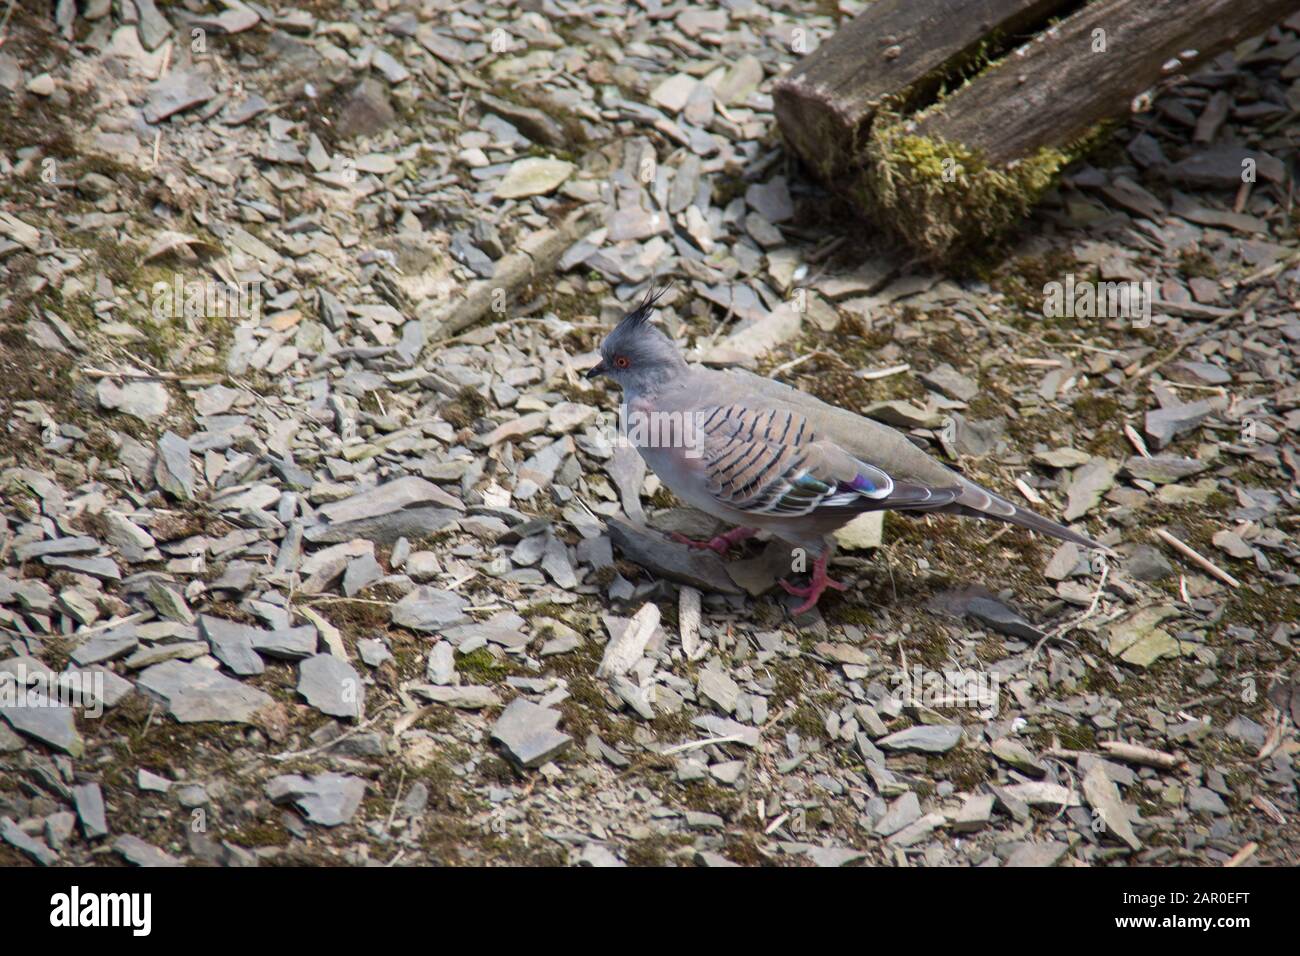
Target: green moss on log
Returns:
[945, 199]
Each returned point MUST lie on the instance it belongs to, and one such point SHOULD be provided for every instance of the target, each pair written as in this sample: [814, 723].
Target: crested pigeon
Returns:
[762, 455]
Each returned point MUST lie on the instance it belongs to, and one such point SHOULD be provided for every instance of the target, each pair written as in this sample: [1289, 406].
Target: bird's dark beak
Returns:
[597, 370]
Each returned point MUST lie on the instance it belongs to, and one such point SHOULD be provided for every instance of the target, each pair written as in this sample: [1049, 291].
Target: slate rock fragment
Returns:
[528, 733]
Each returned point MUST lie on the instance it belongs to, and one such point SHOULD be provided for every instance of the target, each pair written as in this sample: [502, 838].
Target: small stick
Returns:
[696, 744]
[1242, 855]
[794, 363]
[775, 824]
[1070, 625]
[997, 534]
[1136, 440]
[1269, 809]
[1269, 271]
[4, 24]
[1090, 348]
[1041, 362]
[292, 754]
[330, 599]
[1243, 193]
[1196, 333]
[103, 373]
[1197, 558]
[388, 824]
[871, 375]
[1134, 753]
[1033, 496]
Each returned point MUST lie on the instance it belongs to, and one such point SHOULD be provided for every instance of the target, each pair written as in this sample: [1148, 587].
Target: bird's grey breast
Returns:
[669, 439]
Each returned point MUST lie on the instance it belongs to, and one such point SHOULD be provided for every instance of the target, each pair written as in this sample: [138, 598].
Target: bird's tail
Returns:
[977, 502]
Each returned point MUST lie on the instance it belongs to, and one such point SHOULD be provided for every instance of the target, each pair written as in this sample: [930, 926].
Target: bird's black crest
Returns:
[641, 314]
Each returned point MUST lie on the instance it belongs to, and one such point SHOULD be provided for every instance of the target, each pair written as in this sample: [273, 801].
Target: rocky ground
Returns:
[355, 574]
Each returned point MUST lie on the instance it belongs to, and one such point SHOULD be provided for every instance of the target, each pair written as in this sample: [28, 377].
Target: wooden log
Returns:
[949, 172]
[896, 53]
[1054, 89]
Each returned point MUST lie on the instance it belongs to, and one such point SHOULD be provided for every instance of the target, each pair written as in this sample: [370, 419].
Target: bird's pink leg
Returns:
[721, 543]
[813, 592]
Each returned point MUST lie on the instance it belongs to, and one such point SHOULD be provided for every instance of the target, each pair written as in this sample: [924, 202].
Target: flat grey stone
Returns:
[1087, 485]
[326, 799]
[1045, 853]
[728, 772]
[147, 656]
[533, 176]
[152, 782]
[176, 92]
[59, 828]
[441, 667]
[89, 800]
[31, 713]
[1220, 166]
[361, 573]
[1103, 796]
[1205, 800]
[1163, 425]
[372, 651]
[36, 848]
[676, 562]
[462, 696]
[154, 28]
[98, 685]
[598, 854]
[134, 850]
[930, 738]
[974, 814]
[332, 686]
[407, 507]
[834, 856]
[195, 693]
[1146, 563]
[173, 470]
[903, 812]
[771, 200]
[105, 569]
[108, 646]
[717, 686]
[1065, 562]
[1164, 469]
[725, 727]
[72, 544]
[917, 830]
[528, 733]
[1208, 373]
[504, 628]
[1247, 731]
[1017, 755]
[946, 379]
[145, 400]
[232, 644]
[287, 643]
[699, 820]
[429, 609]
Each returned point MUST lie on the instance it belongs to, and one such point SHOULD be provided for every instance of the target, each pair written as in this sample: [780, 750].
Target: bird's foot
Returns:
[721, 543]
[813, 592]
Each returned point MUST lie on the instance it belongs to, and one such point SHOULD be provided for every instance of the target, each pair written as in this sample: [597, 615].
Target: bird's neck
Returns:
[654, 388]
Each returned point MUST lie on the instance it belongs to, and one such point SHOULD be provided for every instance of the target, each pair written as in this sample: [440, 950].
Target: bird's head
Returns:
[637, 355]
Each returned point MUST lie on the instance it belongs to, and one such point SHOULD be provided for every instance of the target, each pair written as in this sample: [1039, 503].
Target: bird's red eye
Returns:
[621, 362]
